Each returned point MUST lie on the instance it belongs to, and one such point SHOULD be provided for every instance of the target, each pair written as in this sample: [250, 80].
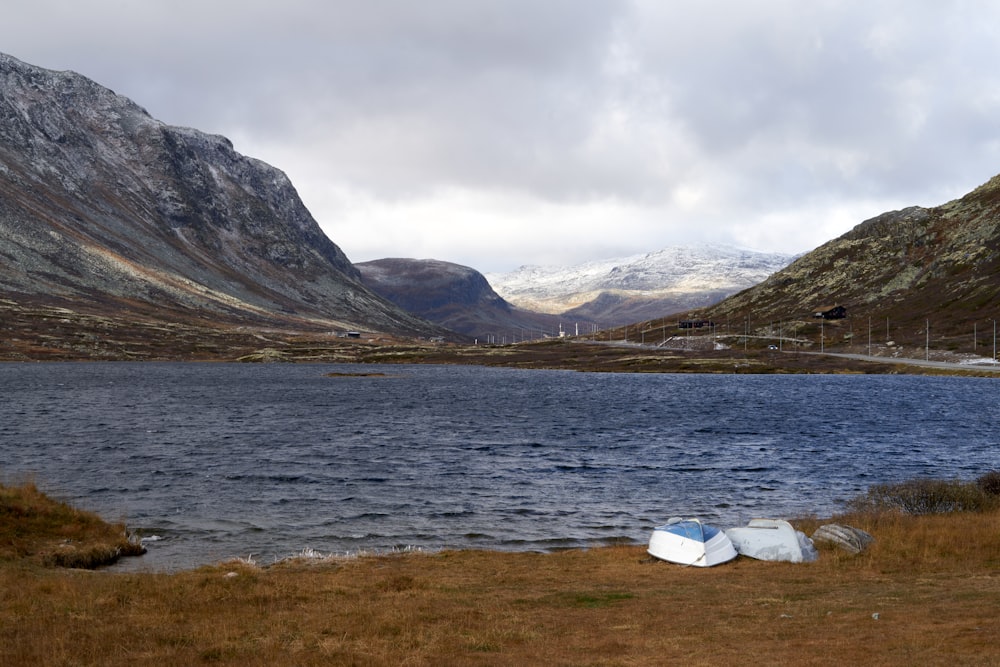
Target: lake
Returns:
[214, 461]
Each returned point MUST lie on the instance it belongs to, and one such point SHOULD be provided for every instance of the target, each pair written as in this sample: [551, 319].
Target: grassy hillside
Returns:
[894, 274]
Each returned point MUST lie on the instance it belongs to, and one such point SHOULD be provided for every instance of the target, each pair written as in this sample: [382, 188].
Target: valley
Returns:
[123, 238]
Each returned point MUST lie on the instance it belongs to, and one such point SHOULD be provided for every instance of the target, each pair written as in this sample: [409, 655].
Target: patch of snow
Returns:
[673, 270]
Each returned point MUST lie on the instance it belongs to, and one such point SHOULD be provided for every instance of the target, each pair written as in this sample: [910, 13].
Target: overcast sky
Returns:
[509, 132]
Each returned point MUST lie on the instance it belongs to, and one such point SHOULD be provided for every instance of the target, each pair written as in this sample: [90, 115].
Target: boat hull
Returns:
[772, 539]
[689, 542]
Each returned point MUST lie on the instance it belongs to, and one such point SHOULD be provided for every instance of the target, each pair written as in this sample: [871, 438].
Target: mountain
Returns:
[454, 296]
[638, 287]
[893, 275]
[105, 210]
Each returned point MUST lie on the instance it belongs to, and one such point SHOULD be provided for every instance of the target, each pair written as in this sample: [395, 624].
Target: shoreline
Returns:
[925, 577]
[606, 605]
[91, 340]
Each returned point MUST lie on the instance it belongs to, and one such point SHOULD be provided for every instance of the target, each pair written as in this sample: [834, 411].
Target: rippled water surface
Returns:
[213, 461]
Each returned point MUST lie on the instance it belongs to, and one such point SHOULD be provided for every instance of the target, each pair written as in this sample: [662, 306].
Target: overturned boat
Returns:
[850, 539]
[690, 542]
[772, 539]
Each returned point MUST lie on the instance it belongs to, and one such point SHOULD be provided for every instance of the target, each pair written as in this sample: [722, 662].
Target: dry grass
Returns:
[933, 582]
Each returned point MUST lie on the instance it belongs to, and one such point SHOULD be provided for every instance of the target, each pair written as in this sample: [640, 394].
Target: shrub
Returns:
[925, 496]
[990, 483]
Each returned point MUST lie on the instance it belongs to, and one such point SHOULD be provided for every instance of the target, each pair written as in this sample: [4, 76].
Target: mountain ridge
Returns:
[105, 208]
[454, 296]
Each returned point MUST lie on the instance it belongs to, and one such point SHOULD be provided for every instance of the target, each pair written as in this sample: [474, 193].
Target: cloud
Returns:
[499, 133]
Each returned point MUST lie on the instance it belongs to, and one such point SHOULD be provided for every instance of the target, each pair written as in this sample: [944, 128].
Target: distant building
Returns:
[831, 313]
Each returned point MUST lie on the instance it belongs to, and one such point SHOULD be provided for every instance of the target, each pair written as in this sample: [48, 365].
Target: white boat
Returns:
[772, 539]
[690, 542]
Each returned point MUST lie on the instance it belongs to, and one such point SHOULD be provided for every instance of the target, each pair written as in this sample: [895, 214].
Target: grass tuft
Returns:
[38, 528]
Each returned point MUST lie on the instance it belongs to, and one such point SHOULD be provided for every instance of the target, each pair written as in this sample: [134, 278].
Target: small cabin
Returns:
[695, 324]
[831, 313]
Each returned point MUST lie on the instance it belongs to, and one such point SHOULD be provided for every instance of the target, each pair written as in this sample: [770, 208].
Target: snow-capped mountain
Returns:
[650, 285]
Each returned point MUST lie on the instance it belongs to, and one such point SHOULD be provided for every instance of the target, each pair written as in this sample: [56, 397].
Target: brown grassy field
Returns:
[927, 593]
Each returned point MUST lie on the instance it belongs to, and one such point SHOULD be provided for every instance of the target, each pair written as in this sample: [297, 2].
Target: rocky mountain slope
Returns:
[454, 296]
[107, 211]
[894, 275]
[629, 289]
